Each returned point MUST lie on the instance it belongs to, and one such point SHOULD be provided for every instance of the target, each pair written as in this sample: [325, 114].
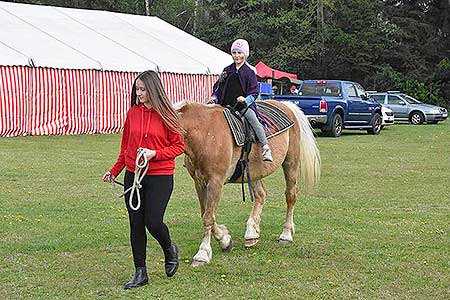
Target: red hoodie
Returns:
[145, 128]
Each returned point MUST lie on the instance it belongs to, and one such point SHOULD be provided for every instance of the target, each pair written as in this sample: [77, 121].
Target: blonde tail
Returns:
[309, 152]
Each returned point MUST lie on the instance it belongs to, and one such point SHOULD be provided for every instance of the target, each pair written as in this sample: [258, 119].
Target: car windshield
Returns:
[321, 89]
[410, 99]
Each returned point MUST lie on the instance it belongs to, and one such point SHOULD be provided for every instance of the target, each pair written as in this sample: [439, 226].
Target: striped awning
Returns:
[46, 101]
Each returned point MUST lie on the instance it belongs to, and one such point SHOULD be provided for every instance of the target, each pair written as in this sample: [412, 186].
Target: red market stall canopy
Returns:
[264, 71]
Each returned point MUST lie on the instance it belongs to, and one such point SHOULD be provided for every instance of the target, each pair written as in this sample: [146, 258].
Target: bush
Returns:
[435, 91]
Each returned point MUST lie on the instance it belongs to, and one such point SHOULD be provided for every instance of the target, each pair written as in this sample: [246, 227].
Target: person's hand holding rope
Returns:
[108, 177]
[149, 154]
[142, 157]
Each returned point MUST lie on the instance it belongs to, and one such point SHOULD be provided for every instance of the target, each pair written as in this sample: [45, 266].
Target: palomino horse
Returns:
[211, 157]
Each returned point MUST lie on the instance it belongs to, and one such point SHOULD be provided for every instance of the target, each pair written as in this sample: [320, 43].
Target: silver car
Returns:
[408, 109]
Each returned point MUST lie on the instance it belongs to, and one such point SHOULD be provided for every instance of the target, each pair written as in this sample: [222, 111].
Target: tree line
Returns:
[382, 44]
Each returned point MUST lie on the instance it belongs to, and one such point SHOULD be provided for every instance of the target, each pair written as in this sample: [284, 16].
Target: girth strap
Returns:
[245, 152]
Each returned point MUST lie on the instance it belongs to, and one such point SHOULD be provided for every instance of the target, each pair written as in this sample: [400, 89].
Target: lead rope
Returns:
[139, 174]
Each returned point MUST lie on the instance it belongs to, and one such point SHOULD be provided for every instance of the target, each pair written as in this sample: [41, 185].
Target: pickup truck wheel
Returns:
[376, 124]
[336, 126]
[416, 118]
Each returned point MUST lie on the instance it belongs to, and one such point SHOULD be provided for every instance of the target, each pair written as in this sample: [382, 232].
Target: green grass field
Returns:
[378, 227]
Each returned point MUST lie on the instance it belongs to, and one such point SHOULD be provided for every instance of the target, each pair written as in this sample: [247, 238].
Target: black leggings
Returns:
[155, 194]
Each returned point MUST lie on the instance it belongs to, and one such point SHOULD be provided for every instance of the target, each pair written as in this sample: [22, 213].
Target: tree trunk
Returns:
[196, 7]
[147, 7]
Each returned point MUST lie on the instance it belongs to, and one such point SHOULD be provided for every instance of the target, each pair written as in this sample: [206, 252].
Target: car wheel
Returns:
[416, 118]
[336, 126]
[376, 124]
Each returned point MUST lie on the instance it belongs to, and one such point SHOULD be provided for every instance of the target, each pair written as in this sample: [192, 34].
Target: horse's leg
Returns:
[290, 168]
[222, 235]
[220, 232]
[200, 188]
[209, 207]
[205, 252]
[252, 232]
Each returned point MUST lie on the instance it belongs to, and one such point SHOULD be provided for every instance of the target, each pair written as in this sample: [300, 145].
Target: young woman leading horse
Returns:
[211, 157]
[151, 140]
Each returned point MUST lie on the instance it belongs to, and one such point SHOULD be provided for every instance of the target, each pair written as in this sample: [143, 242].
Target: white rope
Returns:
[139, 174]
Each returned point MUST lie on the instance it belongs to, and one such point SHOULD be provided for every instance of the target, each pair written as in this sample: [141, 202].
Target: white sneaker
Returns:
[266, 153]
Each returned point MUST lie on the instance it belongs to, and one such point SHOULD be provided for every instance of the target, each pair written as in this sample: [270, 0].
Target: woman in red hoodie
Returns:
[152, 130]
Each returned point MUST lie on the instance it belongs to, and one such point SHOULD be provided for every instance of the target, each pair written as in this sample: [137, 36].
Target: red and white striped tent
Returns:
[69, 71]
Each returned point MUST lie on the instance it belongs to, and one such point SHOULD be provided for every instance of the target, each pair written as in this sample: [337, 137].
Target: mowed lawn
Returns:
[378, 227]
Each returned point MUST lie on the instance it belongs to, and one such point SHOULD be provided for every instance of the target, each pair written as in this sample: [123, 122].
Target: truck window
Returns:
[320, 89]
[360, 90]
[350, 89]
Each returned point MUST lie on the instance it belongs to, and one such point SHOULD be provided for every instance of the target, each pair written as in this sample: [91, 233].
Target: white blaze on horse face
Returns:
[238, 57]
[142, 92]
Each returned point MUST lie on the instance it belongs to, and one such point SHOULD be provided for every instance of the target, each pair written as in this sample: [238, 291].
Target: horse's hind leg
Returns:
[290, 168]
[252, 232]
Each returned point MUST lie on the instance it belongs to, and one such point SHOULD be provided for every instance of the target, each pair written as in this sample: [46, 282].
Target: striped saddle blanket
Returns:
[277, 121]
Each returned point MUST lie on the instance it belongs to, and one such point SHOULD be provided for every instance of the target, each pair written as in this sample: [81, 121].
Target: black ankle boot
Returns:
[140, 278]
[171, 260]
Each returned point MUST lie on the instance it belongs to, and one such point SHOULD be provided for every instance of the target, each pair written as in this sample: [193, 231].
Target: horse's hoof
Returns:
[229, 247]
[197, 263]
[250, 242]
[284, 242]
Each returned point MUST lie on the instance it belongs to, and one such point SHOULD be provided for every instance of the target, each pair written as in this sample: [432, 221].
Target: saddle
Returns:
[276, 122]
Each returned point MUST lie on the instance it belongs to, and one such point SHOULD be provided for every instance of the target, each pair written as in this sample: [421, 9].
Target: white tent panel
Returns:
[46, 51]
[13, 57]
[124, 34]
[85, 40]
[193, 47]
[88, 39]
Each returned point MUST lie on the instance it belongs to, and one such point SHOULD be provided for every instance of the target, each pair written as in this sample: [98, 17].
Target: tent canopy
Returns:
[55, 37]
[264, 71]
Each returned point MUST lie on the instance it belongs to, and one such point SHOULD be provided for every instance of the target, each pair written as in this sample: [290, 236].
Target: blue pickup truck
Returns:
[333, 105]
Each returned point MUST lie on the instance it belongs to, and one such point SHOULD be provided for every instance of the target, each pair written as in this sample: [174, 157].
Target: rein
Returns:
[139, 174]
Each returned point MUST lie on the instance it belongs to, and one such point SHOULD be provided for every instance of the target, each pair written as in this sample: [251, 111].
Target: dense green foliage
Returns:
[378, 227]
[383, 44]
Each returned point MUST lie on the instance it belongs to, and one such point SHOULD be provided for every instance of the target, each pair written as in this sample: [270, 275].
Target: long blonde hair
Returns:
[158, 99]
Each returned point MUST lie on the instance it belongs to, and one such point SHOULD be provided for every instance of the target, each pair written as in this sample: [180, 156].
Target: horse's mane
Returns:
[186, 105]
[180, 105]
